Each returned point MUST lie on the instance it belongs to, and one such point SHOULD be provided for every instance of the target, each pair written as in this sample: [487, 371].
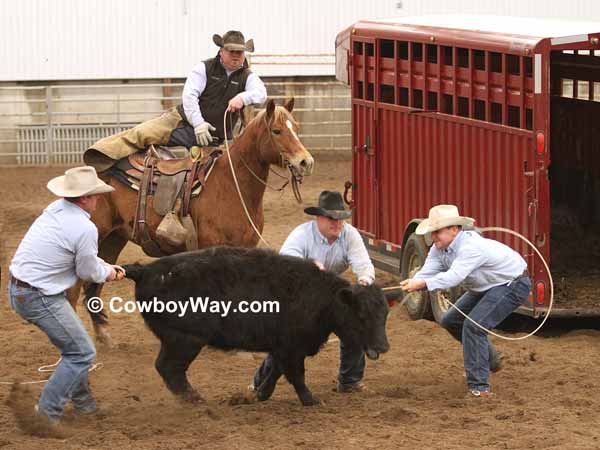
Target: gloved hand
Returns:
[202, 132]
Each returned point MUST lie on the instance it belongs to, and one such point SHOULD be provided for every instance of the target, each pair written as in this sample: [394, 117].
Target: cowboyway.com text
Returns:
[181, 307]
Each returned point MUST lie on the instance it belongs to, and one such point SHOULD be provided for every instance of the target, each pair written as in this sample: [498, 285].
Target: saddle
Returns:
[168, 164]
[172, 182]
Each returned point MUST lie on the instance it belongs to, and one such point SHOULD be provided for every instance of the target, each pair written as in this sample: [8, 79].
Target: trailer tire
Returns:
[413, 256]
[439, 305]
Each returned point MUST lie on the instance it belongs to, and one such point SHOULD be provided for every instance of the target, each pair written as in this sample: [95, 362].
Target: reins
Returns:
[294, 180]
[237, 185]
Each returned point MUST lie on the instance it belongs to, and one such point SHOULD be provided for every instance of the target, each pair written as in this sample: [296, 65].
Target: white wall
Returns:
[117, 39]
[44, 40]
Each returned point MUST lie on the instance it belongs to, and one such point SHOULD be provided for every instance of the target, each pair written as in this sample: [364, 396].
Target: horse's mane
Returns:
[280, 114]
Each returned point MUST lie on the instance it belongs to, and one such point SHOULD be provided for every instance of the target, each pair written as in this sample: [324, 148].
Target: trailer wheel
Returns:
[439, 301]
[413, 257]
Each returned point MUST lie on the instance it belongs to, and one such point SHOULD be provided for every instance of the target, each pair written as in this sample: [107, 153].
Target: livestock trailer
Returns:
[498, 115]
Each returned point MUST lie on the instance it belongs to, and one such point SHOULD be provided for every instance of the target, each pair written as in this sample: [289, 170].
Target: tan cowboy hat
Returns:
[442, 216]
[234, 41]
[77, 182]
[331, 205]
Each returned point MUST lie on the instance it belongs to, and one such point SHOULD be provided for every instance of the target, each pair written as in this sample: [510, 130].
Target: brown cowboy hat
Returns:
[234, 41]
[331, 205]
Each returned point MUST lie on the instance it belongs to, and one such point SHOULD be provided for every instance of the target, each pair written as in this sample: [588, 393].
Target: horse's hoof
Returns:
[103, 338]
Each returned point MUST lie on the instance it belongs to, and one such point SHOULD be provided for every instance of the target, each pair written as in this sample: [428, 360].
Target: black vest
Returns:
[218, 91]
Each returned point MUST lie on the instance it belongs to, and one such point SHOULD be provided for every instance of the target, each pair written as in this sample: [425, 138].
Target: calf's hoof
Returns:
[243, 398]
[311, 401]
[192, 397]
[264, 395]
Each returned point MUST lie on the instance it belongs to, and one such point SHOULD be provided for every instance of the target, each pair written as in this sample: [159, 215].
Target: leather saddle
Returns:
[172, 182]
[168, 164]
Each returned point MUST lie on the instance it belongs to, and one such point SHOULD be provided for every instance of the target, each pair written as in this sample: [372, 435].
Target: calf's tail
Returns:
[134, 271]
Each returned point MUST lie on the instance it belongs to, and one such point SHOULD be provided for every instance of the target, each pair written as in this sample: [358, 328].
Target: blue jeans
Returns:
[488, 309]
[54, 316]
[352, 366]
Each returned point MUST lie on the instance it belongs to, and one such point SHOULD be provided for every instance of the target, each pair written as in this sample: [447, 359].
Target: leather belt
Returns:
[20, 283]
[525, 274]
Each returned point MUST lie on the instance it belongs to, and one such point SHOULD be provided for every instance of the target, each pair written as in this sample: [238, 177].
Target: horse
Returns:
[270, 138]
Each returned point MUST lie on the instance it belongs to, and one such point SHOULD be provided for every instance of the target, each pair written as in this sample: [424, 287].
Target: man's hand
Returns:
[202, 132]
[116, 273]
[120, 272]
[319, 265]
[235, 103]
[112, 274]
[412, 285]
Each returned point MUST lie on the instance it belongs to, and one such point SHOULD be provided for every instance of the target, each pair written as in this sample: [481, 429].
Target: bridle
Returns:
[296, 177]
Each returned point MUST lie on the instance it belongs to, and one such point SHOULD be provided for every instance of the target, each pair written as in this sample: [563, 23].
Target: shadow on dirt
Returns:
[553, 327]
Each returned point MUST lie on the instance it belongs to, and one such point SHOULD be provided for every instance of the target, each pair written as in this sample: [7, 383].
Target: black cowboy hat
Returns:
[331, 205]
[234, 41]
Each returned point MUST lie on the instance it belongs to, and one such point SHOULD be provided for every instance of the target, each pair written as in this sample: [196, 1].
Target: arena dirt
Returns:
[546, 395]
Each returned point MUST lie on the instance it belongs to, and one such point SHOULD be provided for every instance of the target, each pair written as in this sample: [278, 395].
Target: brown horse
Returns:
[218, 215]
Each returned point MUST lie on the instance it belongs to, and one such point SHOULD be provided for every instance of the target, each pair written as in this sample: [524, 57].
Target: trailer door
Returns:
[364, 139]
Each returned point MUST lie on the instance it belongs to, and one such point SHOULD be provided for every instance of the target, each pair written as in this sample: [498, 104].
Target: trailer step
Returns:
[384, 262]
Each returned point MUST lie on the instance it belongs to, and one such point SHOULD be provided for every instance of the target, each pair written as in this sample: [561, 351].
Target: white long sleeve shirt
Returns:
[478, 262]
[255, 92]
[348, 250]
[60, 246]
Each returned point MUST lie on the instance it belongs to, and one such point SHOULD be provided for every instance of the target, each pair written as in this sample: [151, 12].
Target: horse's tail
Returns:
[134, 271]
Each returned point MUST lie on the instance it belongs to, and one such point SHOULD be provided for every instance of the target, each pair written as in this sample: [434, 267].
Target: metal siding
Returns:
[576, 9]
[479, 167]
[116, 39]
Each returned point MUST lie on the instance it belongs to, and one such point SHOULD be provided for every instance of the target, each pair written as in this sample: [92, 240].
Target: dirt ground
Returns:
[546, 395]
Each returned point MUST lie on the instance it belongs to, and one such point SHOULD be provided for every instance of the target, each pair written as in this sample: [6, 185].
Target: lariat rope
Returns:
[514, 233]
[48, 368]
[237, 186]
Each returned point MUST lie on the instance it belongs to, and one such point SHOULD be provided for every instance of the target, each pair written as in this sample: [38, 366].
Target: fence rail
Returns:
[54, 124]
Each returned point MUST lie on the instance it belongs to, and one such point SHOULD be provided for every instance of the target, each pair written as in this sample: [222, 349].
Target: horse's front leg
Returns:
[99, 317]
[73, 293]
[109, 250]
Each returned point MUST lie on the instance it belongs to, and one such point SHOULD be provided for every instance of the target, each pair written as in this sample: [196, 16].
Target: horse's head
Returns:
[279, 143]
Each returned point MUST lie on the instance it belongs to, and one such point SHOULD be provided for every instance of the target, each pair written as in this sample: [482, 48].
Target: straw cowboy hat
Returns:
[442, 216]
[77, 182]
[331, 205]
[234, 41]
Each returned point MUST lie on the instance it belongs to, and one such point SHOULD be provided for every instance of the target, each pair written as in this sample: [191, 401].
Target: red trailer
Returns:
[498, 115]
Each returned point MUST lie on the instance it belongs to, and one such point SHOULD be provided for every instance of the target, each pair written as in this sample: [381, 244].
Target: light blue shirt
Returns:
[60, 246]
[348, 250]
[254, 93]
[478, 262]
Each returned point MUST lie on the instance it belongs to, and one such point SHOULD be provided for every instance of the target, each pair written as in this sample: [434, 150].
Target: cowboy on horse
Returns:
[157, 202]
[214, 86]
